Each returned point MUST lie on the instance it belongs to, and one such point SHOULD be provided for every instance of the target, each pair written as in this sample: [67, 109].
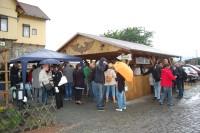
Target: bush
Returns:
[10, 119]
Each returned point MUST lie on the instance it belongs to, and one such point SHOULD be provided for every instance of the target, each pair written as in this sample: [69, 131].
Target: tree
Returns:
[132, 34]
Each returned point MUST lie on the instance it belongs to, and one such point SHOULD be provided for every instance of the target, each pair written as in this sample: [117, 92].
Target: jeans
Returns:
[166, 91]
[38, 95]
[68, 90]
[108, 88]
[180, 87]
[157, 89]
[99, 88]
[94, 92]
[86, 90]
[121, 99]
[44, 95]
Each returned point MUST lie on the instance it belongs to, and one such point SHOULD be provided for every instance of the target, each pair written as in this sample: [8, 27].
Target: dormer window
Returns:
[26, 30]
[3, 23]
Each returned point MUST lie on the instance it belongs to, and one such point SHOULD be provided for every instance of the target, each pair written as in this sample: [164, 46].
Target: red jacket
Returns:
[166, 77]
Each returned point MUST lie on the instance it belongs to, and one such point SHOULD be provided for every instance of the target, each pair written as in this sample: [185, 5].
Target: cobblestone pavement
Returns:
[142, 116]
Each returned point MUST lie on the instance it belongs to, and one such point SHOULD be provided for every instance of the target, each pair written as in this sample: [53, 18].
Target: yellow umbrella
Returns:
[124, 70]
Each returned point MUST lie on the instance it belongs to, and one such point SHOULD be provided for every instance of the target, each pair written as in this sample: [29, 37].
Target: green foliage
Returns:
[132, 34]
[10, 118]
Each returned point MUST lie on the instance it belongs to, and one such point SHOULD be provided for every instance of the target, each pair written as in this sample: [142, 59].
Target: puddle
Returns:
[196, 97]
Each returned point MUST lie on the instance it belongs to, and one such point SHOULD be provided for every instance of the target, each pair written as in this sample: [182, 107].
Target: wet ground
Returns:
[142, 116]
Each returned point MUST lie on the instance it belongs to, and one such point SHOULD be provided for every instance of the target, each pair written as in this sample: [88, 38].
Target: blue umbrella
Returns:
[50, 61]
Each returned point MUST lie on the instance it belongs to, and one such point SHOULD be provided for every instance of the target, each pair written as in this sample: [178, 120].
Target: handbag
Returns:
[63, 80]
[47, 86]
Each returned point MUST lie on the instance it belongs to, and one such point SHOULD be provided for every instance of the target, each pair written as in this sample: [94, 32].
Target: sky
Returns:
[175, 23]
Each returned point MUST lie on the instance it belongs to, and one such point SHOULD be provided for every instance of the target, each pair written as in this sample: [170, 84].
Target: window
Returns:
[26, 30]
[34, 31]
[3, 23]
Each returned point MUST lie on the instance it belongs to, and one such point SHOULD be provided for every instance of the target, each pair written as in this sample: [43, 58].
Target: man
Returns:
[99, 80]
[14, 75]
[156, 75]
[36, 85]
[68, 72]
[181, 76]
[86, 72]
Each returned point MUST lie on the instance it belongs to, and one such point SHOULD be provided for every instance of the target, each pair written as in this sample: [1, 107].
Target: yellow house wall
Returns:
[34, 23]
[90, 46]
[8, 8]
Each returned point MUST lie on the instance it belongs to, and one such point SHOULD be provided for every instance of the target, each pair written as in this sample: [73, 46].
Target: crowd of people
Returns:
[95, 80]
[164, 77]
[99, 81]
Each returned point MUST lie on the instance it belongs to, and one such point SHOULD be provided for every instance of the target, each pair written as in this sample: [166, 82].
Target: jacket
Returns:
[78, 77]
[68, 72]
[180, 73]
[120, 82]
[99, 72]
[156, 73]
[56, 77]
[43, 78]
[166, 77]
[35, 77]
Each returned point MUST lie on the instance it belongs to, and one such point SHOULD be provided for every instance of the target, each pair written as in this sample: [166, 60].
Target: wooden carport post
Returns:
[4, 54]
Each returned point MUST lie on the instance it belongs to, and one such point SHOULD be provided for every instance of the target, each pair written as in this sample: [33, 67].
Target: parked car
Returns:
[198, 66]
[192, 75]
[194, 67]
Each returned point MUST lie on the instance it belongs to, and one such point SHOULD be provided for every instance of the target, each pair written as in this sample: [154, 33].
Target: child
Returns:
[121, 98]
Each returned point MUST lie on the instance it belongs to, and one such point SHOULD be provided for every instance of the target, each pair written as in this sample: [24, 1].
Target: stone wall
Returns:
[18, 49]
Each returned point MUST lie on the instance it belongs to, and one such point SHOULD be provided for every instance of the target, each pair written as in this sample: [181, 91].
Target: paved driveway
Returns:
[142, 116]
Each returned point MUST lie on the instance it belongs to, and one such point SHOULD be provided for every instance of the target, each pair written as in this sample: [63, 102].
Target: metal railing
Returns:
[34, 116]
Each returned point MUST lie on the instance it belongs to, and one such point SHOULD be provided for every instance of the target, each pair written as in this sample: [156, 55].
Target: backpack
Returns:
[108, 77]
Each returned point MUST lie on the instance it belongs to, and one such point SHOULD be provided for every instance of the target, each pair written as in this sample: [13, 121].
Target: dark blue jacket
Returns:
[99, 72]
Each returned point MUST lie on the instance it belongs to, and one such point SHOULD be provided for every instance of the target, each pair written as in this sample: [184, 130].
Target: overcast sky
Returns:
[175, 23]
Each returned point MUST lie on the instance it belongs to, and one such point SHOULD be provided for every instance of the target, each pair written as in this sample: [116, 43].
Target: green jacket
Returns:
[86, 72]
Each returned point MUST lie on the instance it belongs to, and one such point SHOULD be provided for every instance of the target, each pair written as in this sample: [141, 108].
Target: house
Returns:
[22, 30]
[22, 27]
[92, 47]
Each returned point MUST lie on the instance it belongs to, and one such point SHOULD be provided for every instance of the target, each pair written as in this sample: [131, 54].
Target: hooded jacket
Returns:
[99, 71]
[166, 77]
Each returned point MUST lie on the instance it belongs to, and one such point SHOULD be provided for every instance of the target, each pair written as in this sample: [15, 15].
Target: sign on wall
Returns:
[125, 57]
[142, 60]
[2, 44]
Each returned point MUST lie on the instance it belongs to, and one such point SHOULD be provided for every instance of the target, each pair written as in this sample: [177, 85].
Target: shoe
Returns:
[66, 99]
[124, 108]
[101, 109]
[154, 98]
[170, 104]
[120, 110]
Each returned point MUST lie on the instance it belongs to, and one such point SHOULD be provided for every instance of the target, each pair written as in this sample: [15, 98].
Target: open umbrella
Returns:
[124, 70]
[50, 61]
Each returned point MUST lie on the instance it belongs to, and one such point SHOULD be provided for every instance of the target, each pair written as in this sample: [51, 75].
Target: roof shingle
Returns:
[34, 11]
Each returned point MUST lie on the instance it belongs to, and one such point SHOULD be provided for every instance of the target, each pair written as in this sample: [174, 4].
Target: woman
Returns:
[78, 78]
[110, 82]
[44, 80]
[57, 75]
[166, 83]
